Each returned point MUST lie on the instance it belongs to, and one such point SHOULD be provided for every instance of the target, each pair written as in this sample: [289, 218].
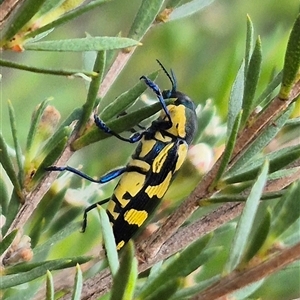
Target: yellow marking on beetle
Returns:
[135, 217]
[120, 245]
[159, 161]
[182, 152]
[179, 121]
[111, 208]
[159, 190]
[130, 182]
[162, 138]
[147, 146]
[144, 166]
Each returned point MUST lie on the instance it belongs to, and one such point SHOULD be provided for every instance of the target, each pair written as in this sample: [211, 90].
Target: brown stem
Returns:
[239, 279]
[114, 71]
[7, 9]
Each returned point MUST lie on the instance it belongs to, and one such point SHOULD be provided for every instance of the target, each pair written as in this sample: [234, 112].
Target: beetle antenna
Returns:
[170, 76]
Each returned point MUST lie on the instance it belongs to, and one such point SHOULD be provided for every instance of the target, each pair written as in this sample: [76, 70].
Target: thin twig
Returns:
[281, 183]
[7, 8]
[239, 279]
[187, 235]
[118, 65]
[58, 72]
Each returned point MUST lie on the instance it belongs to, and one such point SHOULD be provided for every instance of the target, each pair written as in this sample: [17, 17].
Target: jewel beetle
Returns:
[161, 151]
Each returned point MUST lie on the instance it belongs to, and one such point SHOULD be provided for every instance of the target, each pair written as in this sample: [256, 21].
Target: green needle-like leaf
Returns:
[8, 165]
[286, 212]
[278, 160]
[228, 149]
[189, 8]
[83, 44]
[291, 67]
[261, 141]
[204, 117]
[251, 81]
[173, 3]
[48, 161]
[109, 241]
[55, 238]
[247, 291]
[24, 277]
[125, 279]
[41, 70]
[61, 134]
[44, 215]
[89, 105]
[249, 43]
[144, 18]
[188, 292]
[6, 242]
[12, 209]
[49, 286]
[264, 98]
[3, 195]
[18, 150]
[32, 145]
[53, 265]
[259, 237]
[246, 221]
[180, 265]
[236, 98]
[78, 284]
[166, 290]
[48, 6]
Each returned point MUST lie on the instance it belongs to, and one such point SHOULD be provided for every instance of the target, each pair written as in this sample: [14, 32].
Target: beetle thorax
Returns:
[178, 117]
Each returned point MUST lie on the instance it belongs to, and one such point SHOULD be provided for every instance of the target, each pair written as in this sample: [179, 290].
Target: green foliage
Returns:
[6, 242]
[246, 221]
[37, 270]
[144, 18]
[251, 80]
[292, 62]
[108, 241]
[22, 17]
[49, 287]
[181, 265]
[258, 169]
[125, 278]
[188, 9]
[85, 44]
[78, 284]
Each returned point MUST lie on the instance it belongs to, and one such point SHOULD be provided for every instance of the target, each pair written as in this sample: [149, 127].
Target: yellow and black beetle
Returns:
[145, 179]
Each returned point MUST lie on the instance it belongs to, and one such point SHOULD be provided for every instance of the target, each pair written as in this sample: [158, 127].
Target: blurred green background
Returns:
[204, 50]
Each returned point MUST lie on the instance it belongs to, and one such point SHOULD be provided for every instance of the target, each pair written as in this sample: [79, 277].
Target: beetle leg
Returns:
[102, 126]
[103, 179]
[89, 208]
[154, 87]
